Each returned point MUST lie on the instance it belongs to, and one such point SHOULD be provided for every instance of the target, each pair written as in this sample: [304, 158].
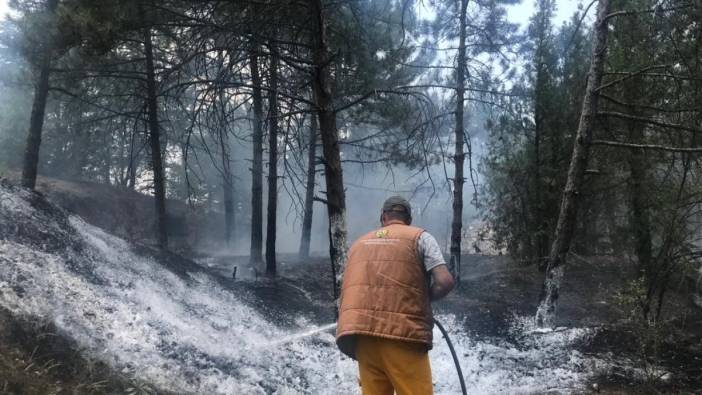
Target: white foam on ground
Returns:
[542, 363]
[192, 335]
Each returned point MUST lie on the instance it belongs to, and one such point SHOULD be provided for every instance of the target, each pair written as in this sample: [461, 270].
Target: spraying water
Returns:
[300, 335]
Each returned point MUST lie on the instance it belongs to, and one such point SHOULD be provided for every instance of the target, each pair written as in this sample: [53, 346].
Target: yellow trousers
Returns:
[387, 366]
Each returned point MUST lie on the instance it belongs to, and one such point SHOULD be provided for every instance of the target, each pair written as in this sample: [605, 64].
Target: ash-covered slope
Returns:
[181, 334]
[186, 331]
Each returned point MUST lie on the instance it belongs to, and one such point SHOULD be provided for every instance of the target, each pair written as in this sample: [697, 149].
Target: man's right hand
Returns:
[442, 282]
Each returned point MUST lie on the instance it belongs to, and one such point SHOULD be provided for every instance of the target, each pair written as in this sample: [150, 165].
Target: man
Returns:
[385, 318]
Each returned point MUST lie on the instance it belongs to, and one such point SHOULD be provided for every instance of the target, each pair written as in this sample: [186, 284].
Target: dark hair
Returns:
[398, 212]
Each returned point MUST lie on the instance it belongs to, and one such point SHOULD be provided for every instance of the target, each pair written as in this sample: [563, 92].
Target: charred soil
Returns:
[35, 357]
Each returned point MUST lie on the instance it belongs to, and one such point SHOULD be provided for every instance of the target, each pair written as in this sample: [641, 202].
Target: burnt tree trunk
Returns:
[540, 248]
[336, 196]
[309, 191]
[36, 120]
[227, 176]
[228, 194]
[272, 164]
[107, 155]
[640, 221]
[220, 108]
[565, 226]
[132, 170]
[134, 155]
[257, 165]
[459, 155]
[155, 143]
[80, 148]
[121, 177]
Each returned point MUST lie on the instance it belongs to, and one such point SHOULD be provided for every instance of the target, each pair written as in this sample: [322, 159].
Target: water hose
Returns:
[455, 357]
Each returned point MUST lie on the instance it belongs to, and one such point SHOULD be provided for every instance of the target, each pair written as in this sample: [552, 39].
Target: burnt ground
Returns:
[494, 290]
[492, 293]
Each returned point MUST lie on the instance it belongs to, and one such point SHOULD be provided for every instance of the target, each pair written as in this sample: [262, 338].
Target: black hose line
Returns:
[455, 357]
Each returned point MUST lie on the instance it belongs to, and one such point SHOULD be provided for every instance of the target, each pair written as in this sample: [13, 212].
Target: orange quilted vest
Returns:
[384, 291]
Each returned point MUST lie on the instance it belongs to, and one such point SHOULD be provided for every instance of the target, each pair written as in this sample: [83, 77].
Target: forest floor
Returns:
[494, 292]
[164, 316]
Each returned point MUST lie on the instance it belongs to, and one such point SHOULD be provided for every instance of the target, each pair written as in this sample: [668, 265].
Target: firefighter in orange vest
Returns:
[385, 318]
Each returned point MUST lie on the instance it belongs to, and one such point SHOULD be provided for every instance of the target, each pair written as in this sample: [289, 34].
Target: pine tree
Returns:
[565, 227]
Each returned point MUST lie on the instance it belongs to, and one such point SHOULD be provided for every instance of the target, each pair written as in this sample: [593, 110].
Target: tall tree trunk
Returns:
[80, 148]
[459, 155]
[336, 196]
[134, 155]
[545, 315]
[121, 176]
[107, 164]
[229, 215]
[223, 136]
[257, 165]
[227, 176]
[541, 240]
[272, 163]
[641, 223]
[36, 120]
[131, 180]
[536, 204]
[155, 143]
[639, 218]
[309, 191]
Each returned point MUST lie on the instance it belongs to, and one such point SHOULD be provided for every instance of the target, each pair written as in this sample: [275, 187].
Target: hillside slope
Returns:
[129, 214]
[178, 330]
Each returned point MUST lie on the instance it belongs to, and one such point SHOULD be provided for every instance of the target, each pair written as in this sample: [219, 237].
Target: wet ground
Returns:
[494, 292]
[497, 355]
[186, 327]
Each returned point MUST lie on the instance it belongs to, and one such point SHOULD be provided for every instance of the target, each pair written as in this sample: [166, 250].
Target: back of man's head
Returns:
[397, 208]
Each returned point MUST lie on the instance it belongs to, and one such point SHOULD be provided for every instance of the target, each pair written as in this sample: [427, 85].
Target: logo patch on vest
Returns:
[381, 233]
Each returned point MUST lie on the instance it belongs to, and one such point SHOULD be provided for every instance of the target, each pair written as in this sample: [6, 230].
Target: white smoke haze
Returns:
[427, 187]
